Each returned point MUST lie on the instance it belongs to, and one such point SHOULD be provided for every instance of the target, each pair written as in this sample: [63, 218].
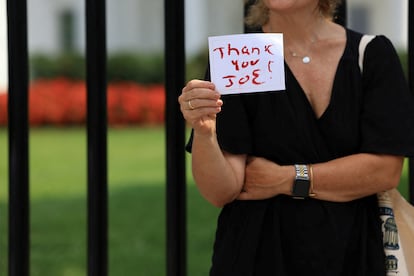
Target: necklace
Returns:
[305, 59]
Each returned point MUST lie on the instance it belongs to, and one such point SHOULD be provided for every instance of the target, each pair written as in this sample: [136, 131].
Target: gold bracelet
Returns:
[311, 193]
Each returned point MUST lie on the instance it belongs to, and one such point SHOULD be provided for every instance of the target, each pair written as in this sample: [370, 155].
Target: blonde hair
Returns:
[258, 13]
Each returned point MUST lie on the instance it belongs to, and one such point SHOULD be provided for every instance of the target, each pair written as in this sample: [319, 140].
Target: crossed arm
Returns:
[223, 177]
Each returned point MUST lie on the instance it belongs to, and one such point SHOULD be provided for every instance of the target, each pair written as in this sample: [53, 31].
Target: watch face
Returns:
[301, 188]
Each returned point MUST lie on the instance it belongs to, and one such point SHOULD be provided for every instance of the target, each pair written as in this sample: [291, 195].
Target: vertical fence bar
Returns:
[175, 136]
[19, 217]
[411, 83]
[97, 138]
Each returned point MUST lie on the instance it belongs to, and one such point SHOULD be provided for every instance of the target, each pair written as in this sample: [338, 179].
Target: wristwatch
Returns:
[301, 186]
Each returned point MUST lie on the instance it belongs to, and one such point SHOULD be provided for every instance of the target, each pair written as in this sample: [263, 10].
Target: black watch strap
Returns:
[301, 186]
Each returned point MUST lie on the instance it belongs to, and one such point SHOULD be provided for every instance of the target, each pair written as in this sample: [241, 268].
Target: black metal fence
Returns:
[175, 136]
[18, 139]
[19, 212]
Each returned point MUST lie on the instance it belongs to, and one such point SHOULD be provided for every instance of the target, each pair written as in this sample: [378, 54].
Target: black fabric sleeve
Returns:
[233, 131]
[387, 122]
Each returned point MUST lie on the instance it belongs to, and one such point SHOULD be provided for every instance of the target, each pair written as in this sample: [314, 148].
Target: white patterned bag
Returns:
[398, 232]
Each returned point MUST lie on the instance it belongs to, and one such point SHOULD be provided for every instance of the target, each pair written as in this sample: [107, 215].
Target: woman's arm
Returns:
[356, 176]
[218, 175]
[340, 180]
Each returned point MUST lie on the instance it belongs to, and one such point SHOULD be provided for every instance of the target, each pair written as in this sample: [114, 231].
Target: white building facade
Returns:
[138, 25]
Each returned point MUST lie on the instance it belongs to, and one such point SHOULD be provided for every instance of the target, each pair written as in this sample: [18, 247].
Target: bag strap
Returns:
[365, 39]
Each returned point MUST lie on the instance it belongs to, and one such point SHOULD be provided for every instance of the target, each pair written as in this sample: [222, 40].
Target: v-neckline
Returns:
[302, 91]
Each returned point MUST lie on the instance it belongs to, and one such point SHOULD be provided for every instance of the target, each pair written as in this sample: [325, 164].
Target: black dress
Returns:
[281, 236]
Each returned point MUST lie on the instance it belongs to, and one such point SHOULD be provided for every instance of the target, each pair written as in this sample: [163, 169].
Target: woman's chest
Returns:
[286, 125]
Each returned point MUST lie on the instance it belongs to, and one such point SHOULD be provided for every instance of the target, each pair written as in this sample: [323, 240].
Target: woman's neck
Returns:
[297, 28]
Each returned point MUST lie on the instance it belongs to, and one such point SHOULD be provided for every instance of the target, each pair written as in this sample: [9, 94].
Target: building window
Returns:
[67, 31]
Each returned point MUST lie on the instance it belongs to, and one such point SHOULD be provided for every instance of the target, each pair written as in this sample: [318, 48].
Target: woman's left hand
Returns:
[266, 179]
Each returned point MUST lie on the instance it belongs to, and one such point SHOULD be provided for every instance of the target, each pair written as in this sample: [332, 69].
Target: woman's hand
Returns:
[200, 103]
[266, 179]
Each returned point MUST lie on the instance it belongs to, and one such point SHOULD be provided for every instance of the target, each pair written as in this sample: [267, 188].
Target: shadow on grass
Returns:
[137, 231]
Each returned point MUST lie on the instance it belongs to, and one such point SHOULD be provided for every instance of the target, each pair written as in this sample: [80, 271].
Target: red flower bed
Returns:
[63, 102]
[3, 109]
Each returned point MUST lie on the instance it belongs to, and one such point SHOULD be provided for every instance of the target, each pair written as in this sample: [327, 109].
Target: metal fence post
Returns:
[175, 138]
[19, 217]
[97, 138]
[411, 83]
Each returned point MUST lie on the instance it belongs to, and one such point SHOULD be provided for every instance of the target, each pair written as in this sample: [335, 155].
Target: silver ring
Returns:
[190, 105]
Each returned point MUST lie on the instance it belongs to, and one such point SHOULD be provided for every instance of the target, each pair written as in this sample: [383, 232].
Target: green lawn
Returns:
[136, 204]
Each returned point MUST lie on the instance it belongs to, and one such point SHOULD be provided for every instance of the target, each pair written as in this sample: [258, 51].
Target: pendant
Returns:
[306, 59]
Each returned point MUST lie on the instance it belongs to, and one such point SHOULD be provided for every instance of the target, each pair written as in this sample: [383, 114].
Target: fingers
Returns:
[194, 84]
[197, 89]
[199, 94]
[199, 104]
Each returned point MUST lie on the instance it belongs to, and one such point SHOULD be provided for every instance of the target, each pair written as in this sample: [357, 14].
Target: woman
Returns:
[333, 139]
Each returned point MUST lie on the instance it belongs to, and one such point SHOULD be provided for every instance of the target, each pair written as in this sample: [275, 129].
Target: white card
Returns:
[247, 63]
